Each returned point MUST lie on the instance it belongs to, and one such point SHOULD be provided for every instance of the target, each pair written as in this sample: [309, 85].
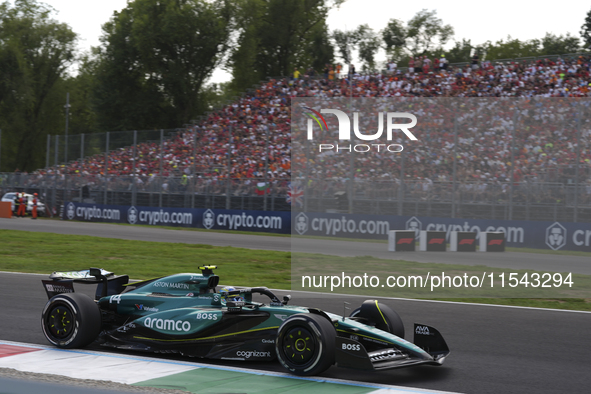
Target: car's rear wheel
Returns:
[71, 320]
[380, 316]
[305, 344]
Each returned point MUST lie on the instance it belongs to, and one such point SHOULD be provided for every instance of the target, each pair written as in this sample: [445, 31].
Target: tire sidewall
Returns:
[324, 338]
[86, 315]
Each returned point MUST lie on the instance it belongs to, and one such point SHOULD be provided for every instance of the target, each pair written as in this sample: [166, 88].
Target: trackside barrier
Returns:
[5, 209]
[401, 240]
[210, 219]
[462, 241]
[518, 233]
[432, 241]
[492, 242]
[521, 234]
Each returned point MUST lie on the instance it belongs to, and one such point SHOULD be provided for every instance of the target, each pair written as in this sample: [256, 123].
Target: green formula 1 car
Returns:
[184, 314]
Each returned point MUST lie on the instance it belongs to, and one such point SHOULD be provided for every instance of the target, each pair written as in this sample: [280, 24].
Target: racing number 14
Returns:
[115, 298]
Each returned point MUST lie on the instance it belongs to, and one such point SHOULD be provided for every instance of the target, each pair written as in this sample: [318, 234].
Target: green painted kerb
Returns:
[213, 381]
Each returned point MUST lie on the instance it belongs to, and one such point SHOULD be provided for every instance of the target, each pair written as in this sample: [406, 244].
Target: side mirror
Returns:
[96, 272]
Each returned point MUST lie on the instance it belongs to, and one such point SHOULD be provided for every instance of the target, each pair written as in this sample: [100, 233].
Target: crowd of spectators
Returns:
[257, 130]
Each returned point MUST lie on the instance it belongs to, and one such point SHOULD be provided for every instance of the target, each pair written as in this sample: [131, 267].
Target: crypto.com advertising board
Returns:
[209, 219]
[461, 160]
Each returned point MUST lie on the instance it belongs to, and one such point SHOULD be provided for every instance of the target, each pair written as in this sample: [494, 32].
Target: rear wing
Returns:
[107, 282]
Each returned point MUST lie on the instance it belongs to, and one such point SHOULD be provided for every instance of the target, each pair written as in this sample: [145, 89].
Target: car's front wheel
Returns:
[305, 344]
[71, 320]
[380, 316]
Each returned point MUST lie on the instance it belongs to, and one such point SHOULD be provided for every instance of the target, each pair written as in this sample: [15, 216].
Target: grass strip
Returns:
[36, 252]
[406, 279]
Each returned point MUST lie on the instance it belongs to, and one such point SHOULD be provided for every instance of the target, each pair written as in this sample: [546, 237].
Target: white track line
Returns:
[436, 301]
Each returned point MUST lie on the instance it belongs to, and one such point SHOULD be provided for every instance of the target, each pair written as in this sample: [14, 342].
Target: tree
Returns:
[363, 39]
[321, 48]
[83, 117]
[460, 52]
[511, 48]
[559, 45]
[154, 60]
[550, 44]
[275, 36]
[369, 44]
[345, 41]
[35, 52]
[586, 31]
[424, 33]
[394, 37]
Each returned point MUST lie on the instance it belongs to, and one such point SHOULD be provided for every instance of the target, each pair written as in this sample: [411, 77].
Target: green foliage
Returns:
[364, 39]
[214, 95]
[558, 45]
[83, 117]
[275, 36]
[369, 44]
[35, 52]
[394, 37]
[511, 48]
[424, 34]
[321, 48]
[399, 46]
[154, 60]
[550, 44]
[586, 31]
[460, 52]
[345, 42]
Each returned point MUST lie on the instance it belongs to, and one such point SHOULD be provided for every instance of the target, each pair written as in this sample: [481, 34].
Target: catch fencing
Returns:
[532, 200]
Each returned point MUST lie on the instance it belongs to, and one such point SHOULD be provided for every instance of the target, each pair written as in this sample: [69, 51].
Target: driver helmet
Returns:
[234, 297]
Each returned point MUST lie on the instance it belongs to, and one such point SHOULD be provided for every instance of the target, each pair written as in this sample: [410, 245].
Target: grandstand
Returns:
[543, 166]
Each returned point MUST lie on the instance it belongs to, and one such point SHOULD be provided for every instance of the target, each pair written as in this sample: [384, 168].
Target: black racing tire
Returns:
[305, 344]
[71, 320]
[381, 316]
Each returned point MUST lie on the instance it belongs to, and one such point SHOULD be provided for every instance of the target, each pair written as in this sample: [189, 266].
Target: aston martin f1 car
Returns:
[185, 314]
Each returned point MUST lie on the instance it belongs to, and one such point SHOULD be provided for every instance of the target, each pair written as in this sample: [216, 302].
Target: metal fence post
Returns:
[54, 194]
[511, 179]
[48, 148]
[106, 168]
[194, 177]
[82, 148]
[161, 165]
[578, 161]
[229, 168]
[67, 106]
[45, 183]
[266, 168]
[81, 165]
[401, 186]
[133, 174]
[454, 173]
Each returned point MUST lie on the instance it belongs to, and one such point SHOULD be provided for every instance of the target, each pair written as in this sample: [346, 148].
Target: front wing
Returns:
[351, 353]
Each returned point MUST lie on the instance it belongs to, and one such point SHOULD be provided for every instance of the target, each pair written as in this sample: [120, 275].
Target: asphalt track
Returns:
[494, 349]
